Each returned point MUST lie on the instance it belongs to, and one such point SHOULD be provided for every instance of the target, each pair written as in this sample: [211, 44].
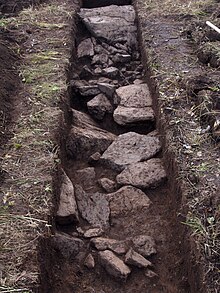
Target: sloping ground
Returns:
[40, 36]
[174, 36]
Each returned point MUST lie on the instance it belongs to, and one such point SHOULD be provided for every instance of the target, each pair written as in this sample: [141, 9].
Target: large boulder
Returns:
[67, 212]
[86, 138]
[143, 174]
[126, 116]
[112, 23]
[127, 200]
[93, 207]
[130, 148]
[99, 106]
[67, 246]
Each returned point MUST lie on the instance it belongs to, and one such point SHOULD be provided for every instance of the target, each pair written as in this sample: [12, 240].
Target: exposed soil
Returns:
[174, 56]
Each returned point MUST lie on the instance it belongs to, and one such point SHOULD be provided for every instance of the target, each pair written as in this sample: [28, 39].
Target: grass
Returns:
[31, 154]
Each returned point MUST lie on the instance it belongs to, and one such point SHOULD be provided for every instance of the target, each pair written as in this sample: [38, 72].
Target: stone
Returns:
[99, 106]
[100, 59]
[85, 137]
[89, 261]
[107, 89]
[145, 245]
[143, 174]
[107, 184]
[93, 207]
[121, 58]
[127, 200]
[94, 158]
[85, 72]
[85, 48]
[84, 88]
[67, 212]
[98, 71]
[124, 115]
[68, 246]
[135, 259]
[130, 148]
[112, 23]
[151, 274]
[113, 264]
[118, 246]
[138, 81]
[110, 72]
[86, 176]
[134, 95]
[93, 232]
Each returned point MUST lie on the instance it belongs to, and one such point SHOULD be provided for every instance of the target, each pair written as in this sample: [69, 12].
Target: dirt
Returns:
[180, 62]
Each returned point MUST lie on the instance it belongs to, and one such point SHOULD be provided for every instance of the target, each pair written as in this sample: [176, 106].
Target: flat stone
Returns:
[107, 184]
[93, 232]
[85, 137]
[127, 199]
[93, 207]
[134, 95]
[89, 261]
[85, 48]
[143, 174]
[107, 89]
[124, 115]
[135, 259]
[84, 88]
[100, 243]
[145, 245]
[121, 58]
[86, 176]
[130, 148]
[68, 246]
[67, 208]
[112, 23]
[113, 264]
[110, 72]
[99, 106]
[138, 81]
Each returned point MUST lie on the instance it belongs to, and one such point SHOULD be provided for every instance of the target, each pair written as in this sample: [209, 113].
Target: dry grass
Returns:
[30, 155]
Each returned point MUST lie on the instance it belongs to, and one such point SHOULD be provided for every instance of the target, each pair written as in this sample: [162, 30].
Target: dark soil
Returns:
[14, 6]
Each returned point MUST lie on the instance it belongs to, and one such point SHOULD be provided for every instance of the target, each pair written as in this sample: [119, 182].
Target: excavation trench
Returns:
[115, 219]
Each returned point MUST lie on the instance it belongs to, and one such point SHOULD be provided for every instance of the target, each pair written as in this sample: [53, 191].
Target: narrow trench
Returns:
[116, 227]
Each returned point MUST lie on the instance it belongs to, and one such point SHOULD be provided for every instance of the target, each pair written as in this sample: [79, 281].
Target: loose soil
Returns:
[177, 57]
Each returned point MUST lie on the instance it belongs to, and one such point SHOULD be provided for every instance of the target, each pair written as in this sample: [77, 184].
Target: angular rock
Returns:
[86, 176]
[143, 174]
[124, 115]
[67, 208]
[93, 232]
[135, 259]
[118, 246]
[99, 106]
[127, 199]
[107, 184]
[114, 265]
[89, 261]
[107, 89]
[100, 59]
[134, 95]
[84, 88]
[93, 207]
[112, 23]
[68, 246]
[130, 148]
[121, 58]
[85, 48]
[145, 245]
[110, 72]
[94, 158]
[86, 138]
[151, 274]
